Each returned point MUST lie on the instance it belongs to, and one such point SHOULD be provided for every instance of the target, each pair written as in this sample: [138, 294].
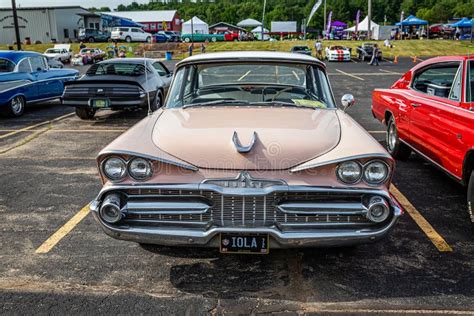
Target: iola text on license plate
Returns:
[244, 243]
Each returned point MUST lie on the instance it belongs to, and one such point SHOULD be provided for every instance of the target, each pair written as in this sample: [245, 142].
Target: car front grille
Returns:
[332, 209]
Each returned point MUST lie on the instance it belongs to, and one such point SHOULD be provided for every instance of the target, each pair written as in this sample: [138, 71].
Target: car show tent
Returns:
[249, 23]
[412, 21]
[464, 22]
[363, 26]
[257, 32]
[196, 26]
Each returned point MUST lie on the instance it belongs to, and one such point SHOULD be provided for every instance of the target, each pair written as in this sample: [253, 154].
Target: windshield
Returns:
[119, 69]
[250, 84]
[6, 65]
[87, 51]
[300, 48]
[337, 48]
[53, 51]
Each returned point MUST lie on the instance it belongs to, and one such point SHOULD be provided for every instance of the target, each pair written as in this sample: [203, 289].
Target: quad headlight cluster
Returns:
[116, 169]
[374, 172]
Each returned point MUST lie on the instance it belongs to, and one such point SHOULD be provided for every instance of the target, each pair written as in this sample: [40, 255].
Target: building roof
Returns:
[228, 25]
[43, 8]
[16, 56]
[145, 16]
[251, 56]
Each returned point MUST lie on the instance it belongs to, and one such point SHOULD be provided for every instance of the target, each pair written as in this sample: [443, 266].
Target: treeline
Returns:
[389, 11]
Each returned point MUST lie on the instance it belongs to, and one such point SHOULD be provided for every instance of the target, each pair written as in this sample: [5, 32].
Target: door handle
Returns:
[415, 105]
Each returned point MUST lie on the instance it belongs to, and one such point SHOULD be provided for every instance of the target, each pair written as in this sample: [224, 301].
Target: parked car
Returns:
[338, 53]
[187, 38]
[441, 31]
[26, 78]
[93, 35]
[430, 111]
[231, 36]
[305, 50]
[160, 38]
[54, 63]
[248, 154]
[88, 56]
[130, 34]
[171, 35]
[366, 50]
[61, 52]
[119, 84]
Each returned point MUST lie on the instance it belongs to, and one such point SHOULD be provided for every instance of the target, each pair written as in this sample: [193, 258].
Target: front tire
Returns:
[128, 39]
[85, 113]
[148, 39]
[17, 106]
[158, 102]
[395, 147]
[91, 40]
[470, 199]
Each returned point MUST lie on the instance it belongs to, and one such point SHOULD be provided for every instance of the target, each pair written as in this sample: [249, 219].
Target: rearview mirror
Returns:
[347, 101]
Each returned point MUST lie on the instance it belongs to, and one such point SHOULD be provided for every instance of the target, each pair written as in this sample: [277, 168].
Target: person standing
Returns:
[318, 46]
[375, 53]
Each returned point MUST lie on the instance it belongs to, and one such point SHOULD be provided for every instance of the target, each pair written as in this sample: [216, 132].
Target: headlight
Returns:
[375, 172]
[115, 168]
[349, 172]
[140, 169]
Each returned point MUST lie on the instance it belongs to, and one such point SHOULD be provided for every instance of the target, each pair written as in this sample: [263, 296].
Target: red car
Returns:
[430, 110]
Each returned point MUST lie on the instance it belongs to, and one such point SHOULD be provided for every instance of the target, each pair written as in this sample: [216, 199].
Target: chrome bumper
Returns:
[280, 236]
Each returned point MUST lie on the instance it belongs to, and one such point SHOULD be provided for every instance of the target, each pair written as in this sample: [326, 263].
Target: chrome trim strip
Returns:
[309, 208]
[330, 162]
[433, 162]
[165, 208]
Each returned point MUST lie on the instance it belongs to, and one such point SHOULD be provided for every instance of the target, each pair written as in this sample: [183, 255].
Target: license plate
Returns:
[100, 103]
[245, 243]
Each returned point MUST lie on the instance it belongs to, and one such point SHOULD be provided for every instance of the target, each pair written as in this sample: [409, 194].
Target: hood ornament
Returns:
[243, 149]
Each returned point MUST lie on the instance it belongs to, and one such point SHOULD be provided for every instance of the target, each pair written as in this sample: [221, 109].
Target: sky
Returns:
[83, 3]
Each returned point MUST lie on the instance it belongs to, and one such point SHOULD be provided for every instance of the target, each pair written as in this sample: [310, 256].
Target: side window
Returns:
[161, 69]
[436, 80]
[135, 31]
[24, 66]
[37, 64]
[470, 82]
[456, 89]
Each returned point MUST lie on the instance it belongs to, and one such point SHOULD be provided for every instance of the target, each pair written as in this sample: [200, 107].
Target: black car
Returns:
[365, 52]
[93, 35]
[119, 84]
[305, 50]
[171, 35]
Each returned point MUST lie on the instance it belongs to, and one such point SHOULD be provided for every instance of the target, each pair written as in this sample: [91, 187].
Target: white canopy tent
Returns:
[257, 32]
[196, 26]
[363, 26]
[249, 23]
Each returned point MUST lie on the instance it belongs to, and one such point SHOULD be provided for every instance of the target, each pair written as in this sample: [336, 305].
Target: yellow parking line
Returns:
[424, 225]
[36, 125]
[350, 75]
[63, 231]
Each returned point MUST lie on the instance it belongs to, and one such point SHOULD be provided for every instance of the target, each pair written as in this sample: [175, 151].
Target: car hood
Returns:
[284, 137]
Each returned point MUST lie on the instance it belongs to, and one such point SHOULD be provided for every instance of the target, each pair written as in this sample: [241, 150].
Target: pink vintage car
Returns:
[249, 153]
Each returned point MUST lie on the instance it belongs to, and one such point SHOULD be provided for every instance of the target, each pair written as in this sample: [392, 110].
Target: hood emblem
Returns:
[244, 181]
[243, 149]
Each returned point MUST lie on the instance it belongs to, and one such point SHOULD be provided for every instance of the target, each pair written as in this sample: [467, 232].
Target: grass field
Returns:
[400, 48]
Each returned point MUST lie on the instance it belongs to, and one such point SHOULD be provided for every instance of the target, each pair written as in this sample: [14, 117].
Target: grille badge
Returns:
[246, 181]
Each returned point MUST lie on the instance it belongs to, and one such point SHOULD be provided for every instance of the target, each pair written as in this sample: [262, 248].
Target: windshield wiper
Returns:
[217, 102]
[282, 103]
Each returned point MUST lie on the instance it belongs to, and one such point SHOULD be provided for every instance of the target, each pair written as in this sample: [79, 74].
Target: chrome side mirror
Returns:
[347, 101]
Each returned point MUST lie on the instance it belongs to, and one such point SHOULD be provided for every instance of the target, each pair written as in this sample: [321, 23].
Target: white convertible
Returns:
[338, 53]
[61, 52]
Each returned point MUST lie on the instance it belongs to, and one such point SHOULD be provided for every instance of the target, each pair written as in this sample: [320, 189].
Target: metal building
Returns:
[43, 24]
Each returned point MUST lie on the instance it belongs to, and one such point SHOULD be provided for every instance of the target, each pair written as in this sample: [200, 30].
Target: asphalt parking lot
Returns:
[55, 259]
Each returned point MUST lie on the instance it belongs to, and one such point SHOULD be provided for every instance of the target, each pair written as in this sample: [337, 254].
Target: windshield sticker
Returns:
[312, 103]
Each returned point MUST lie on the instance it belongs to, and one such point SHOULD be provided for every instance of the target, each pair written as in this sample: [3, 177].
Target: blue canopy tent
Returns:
[464, 22]
[412, 21]
[465, 28]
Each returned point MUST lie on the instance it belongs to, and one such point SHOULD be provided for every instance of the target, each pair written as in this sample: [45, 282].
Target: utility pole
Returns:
[324, 23]
[17, 28]
[263, 17]
[369, 26]
[303, 28]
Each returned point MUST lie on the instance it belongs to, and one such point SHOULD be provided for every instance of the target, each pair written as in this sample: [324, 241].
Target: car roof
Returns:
[127, 60]
[237, 56]
[16, 56]
[442, 59]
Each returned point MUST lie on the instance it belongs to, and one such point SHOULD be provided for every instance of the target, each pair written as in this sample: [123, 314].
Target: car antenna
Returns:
[150, 112]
